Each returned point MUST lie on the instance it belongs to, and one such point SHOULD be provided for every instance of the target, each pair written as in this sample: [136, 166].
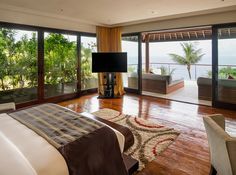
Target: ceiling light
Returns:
[152, 12]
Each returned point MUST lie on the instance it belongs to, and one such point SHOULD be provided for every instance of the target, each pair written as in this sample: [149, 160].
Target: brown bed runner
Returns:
[129, 137]
[85, 144]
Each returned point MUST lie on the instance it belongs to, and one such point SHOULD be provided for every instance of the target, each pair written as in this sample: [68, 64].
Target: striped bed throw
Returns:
[79, 139]
[58, 125]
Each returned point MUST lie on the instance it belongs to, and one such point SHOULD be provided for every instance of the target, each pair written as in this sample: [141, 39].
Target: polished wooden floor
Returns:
[189, 154]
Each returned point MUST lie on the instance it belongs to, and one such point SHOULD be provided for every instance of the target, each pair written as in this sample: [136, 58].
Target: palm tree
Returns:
[191, 56]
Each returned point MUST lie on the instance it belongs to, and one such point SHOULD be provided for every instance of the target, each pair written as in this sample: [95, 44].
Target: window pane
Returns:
[60, 64]
[18, 65]
[130, 45]
[227, 65]
[88, 79]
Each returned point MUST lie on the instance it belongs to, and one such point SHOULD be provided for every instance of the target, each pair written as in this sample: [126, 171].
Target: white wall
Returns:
[14, 16]
[199, 20]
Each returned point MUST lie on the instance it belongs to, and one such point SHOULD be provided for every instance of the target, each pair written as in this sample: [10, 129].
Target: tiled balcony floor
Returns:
[189, 93]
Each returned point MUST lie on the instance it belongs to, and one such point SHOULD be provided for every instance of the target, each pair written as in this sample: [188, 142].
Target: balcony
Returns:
[189, 93]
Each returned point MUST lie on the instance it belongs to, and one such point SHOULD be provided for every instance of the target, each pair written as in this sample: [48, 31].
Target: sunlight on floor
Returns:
[189, 93]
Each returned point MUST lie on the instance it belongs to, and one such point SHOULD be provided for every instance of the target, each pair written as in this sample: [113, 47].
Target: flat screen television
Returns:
[109, 62]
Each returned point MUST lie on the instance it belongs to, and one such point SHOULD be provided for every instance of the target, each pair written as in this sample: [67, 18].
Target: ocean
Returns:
[159, 55]
[201, 69]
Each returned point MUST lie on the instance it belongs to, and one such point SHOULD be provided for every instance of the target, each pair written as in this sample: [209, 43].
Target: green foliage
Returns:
[165, 71]
[131, 69]
[60, 59]
[4, 41]
[86, 64]
[18, 60]
[224, 73]
[191, 56]
[209, 74]
[227, 71]
[24, 70]
[86, 61]
[7, 49]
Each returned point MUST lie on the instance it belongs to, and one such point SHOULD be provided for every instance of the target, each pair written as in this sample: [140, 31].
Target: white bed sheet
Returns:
[23, 152]
[26, 153]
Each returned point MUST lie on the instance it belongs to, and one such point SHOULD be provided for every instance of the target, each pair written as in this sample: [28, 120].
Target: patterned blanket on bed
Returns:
[58, 125]
[82, 141]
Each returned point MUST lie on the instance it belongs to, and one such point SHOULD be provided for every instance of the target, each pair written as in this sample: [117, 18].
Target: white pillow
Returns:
[156, 71]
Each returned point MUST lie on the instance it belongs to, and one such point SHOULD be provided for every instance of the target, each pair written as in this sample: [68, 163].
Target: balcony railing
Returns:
[180, 71]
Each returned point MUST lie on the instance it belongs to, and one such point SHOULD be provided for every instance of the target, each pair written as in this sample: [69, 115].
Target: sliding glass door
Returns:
[18, 65]
[60, 64]
[89, 80]
[225, 66]
[44, 65]
[132, 45]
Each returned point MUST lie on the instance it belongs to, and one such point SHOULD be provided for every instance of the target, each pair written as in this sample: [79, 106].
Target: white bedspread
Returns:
[23, 152]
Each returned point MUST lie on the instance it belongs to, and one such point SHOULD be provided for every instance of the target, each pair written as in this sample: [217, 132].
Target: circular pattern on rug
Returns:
[150, 138]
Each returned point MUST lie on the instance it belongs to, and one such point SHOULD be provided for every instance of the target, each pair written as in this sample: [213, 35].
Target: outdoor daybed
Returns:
[163, 84]
[226, 88]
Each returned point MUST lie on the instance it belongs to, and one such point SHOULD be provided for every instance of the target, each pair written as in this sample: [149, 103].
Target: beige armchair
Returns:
[222, 146]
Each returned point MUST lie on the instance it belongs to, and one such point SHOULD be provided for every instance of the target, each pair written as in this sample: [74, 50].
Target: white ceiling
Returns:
[114, 12]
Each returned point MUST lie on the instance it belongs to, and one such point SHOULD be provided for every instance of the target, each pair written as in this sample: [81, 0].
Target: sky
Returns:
[159, 52]
[20, 33]
[69, 37]
[85, 40]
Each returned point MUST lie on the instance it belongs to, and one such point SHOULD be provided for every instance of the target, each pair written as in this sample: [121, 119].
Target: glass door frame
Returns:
[41, 71]
[38, 30]
[84, 91]
[139, 70]
[40, 61]
[215, 70]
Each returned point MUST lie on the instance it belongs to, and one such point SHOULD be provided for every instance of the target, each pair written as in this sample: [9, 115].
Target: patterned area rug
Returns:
[150, 138]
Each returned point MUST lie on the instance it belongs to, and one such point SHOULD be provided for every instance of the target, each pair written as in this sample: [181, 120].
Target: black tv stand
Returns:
[110, 82]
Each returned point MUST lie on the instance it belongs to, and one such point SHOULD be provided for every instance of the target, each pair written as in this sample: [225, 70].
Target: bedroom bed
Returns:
[51, 140]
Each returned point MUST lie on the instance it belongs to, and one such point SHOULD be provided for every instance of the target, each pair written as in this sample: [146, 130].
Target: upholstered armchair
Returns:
[222, 146]
[7, 107]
